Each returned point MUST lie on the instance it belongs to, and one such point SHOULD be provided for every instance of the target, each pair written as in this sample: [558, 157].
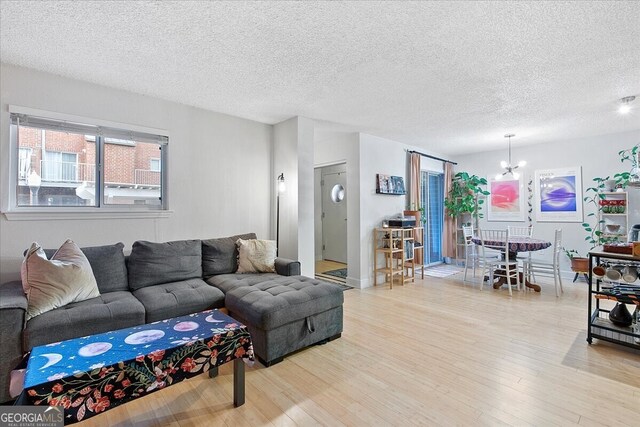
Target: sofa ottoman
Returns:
[285, 313]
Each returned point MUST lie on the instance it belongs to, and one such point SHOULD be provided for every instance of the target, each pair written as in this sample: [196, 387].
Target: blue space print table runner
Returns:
[95, 373]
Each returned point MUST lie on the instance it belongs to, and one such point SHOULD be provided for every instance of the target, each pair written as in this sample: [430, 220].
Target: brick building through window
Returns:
[63, 168]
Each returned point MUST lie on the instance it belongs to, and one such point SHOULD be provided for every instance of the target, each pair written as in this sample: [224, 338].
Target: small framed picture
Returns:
[389, 184]
[398, 185]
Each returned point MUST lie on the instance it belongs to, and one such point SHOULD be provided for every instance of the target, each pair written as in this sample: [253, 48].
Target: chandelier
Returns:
[509, 168]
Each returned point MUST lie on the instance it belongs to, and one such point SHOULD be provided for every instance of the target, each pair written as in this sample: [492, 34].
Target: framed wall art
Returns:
[390, 184]
[507, 199]
[558, 195]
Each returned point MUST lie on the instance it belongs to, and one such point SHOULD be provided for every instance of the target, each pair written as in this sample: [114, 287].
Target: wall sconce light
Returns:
[281, 189]
[281, 185]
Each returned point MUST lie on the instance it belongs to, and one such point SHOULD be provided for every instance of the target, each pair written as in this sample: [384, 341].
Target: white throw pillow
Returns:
[256, 256]
[67, 277]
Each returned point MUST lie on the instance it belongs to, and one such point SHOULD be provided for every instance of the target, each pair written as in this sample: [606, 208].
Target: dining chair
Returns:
[502, 267]
[520, 231]
[545, 267]
[470, 252]
[515, 231]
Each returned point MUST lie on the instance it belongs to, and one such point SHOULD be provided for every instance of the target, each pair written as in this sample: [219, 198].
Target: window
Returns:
[432, 199]
[129, 180]
[24, 163]
[61, 163]
[154, 165]
[59, 167]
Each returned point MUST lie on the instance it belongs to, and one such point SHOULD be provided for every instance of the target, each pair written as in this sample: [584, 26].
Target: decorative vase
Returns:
[620, 315]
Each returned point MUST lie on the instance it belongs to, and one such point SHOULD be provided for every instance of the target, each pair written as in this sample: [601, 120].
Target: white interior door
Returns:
[334, 213]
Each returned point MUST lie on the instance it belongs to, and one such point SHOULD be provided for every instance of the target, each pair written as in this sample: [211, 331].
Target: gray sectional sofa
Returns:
[283, 311]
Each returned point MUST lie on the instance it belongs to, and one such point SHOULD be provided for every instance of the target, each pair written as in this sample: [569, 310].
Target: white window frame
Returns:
[8, 196]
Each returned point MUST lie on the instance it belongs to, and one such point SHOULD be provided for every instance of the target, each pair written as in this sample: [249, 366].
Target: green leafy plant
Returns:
[630, 155]
[622, 179]
[571, 253]
[593, 226]
[464, 195]
[593, 195]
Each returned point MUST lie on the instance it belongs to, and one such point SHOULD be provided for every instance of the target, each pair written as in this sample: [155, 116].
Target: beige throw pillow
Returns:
[256, 256]
[54, 283]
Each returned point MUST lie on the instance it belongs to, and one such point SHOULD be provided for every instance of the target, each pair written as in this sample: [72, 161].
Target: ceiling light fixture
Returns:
[625, 108]
[509, 169]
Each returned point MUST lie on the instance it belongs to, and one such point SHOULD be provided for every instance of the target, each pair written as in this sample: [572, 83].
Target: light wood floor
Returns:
[436, 352]
[326, 265]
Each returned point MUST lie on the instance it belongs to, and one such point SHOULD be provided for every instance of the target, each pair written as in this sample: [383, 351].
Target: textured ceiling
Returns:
[452, 77]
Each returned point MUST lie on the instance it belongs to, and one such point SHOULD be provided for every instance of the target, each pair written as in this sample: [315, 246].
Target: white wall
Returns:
[293, 156]
[317, 213]
[285, 152]
[219, 167]
[377, 155]
[366, 156]
[598, 157]
[306, 252]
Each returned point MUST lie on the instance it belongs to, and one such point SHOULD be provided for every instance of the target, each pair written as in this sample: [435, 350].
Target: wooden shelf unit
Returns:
[418, 252]
[418, 239]
[395, 248]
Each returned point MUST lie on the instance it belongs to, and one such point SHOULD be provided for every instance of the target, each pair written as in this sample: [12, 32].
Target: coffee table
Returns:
[95, 373]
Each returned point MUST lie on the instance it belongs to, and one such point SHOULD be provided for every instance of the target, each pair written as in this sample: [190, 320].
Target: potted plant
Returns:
[579, 264]
[464, 195]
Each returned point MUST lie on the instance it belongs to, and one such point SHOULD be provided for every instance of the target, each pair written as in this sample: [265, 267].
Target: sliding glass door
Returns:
[432, 199]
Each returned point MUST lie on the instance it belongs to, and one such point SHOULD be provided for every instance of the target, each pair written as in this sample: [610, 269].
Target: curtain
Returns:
[414, 182]
[449, 231]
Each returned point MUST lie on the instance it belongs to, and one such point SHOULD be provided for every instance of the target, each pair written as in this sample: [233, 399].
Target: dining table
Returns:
[516, 244]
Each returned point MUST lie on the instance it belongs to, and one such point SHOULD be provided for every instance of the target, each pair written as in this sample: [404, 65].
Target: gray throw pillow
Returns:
[220, 256]
[108, 265]
[156, 263]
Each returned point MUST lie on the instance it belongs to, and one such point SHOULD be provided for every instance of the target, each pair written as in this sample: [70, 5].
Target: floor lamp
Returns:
[281, 188]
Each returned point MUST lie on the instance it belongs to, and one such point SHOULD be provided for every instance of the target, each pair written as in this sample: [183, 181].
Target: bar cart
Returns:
[602, 288]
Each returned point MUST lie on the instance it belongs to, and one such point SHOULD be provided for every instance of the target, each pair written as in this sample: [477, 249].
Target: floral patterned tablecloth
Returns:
[91, 374]
[517, 244]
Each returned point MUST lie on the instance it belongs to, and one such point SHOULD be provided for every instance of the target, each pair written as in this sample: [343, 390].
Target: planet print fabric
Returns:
[89, 375]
